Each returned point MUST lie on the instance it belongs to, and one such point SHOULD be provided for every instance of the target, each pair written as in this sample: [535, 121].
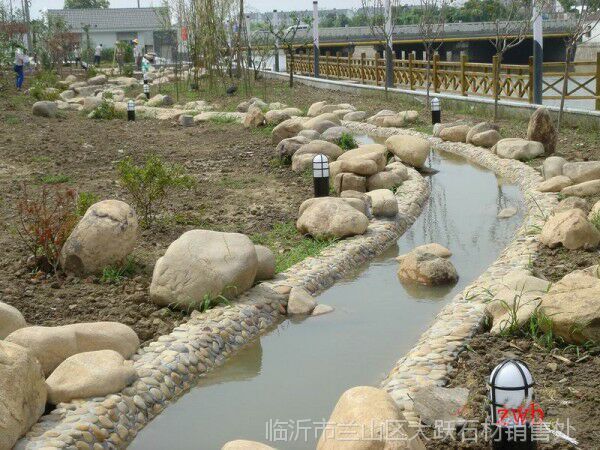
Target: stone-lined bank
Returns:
[169, 367]
[429, 362]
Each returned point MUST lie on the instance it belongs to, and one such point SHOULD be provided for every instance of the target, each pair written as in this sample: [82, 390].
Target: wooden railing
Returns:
[515, 82]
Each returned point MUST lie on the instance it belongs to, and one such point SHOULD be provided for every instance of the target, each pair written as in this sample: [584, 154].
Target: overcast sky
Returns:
[261, 5]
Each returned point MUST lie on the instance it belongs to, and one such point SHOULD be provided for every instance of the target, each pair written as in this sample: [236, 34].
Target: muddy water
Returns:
[280, 389]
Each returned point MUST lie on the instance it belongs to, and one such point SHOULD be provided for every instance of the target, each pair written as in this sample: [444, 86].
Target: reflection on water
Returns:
[299, 370]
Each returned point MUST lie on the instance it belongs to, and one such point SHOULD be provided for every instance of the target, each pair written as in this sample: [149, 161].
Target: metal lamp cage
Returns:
[146, 88]
[321, 166]
[435, 104]
[130, 105]
[525, 384]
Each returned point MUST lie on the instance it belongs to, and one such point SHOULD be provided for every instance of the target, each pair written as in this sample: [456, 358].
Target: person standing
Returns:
[97, 54]
[137, 54]
[20, 60]
[77, 55]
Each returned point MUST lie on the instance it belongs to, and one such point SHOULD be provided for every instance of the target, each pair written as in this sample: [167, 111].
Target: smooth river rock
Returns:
[11, 319]
[330, 217]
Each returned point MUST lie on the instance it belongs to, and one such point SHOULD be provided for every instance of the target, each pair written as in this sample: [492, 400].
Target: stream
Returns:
[281, 389]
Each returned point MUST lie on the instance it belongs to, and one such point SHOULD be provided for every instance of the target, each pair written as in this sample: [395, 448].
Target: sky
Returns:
[260, 5]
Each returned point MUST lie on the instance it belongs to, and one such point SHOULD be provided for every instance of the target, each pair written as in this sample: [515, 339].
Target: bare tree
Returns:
[583, 28]
[295, 33]
[511, 25]
[431, 27]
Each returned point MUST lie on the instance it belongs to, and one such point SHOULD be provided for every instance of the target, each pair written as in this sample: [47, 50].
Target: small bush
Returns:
[128, 70]
[150, 184]
[347, 142]
[41, 83]
[84, 201]
[45, 223]
[106, 111]
[91, 72]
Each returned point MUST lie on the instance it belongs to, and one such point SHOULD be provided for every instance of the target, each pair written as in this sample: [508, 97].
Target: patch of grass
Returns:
[347, 142]
[276, 163]
[288, 245]
[236, 183]
[55, 178]
[11, 120]
[116, 274]
[222, 119]
[108, 95]
[207, 302]
[267, 129]
[84, 201]
[423, 128]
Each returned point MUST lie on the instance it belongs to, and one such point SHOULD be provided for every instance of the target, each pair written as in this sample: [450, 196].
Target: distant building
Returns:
[107, 26]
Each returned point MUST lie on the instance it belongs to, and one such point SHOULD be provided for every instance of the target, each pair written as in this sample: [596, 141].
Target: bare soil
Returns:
[239, 189]
[566, 389]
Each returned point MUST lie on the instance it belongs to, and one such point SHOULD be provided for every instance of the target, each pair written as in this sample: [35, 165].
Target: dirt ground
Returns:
[239, 189]
[566, 388]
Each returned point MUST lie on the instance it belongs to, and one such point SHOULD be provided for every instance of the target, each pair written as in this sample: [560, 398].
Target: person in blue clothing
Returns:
[19, 67]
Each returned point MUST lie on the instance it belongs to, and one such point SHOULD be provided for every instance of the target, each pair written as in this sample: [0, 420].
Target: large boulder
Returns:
[97, 80]
[355, 116]
[367, 418]
[87, 91]
[438, 127]
[553, 167]
[315, 109]
[573, 307]
[411, 150]
[357, 166]
[375, 152]
[203, 264]
[286, 129]
[52, 345]
[457, 133]
[517, 148]
[275, 117]
[554, 184]
[349, 182]
[104, 237]
[330, 217]
[22, 393]
[571, 229]
[89, 374]
[67, 95]
[390, 178]
[242, 444]
[266, 263]
[541, 129]
[334, 134]
[292, 111]
[91, 103]
[313, 123]
[585, 189]
[426, 268]
[11, 319]
[486, 139]
[303, 157]
[481, 127]
[311, 135]
[300, 302]
[287, 147]
[44, 109]
[581, 171]
[383, 203]
[254, 118]
[570, 203]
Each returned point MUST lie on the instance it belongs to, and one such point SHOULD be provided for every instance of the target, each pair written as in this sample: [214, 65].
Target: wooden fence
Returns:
[515, 82]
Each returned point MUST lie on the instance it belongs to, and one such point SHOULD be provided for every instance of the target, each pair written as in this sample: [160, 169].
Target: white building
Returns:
[107, 26]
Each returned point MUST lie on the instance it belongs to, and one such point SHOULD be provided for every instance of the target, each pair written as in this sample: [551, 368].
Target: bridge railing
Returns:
[514, 81]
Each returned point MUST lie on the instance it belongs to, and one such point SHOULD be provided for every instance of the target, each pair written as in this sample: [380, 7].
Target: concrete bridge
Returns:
[470, 38]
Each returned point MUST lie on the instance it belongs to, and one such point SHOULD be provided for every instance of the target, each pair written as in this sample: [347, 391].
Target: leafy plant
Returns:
[84, 201]
[42, 86]
[347, 141]
[222, 119]
[116, 274]
[45, 222]
[150, 184]
[106, 111]
[91, 72]
[107, 95]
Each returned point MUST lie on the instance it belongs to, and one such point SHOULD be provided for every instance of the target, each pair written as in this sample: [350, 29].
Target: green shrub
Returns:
[128, 70]
[107, 95]
[91, 72]
[150, 184]
[116, 274]
[347, 142]
[40, 84]
[84, 201]
[106, 111]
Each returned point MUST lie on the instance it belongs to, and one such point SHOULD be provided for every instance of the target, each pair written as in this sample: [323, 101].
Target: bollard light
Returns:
[131, 110]
[145, 78]
[147, 91]
[436, 111]
[512, 409]
[321, 175]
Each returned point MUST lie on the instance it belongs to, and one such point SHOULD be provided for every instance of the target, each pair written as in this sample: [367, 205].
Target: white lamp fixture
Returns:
[321, 175]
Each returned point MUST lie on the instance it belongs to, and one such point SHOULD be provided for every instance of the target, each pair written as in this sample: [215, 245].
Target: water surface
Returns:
[284, 386]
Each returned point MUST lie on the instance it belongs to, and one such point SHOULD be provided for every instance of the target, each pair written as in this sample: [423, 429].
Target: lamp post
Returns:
[436, 111]
[321, 175]
[512, 410]
[131, 111]
[147, 91]
[538, 54]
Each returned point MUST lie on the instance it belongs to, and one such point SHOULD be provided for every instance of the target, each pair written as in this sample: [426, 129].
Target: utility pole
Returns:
[389, 53]
[316, 51]
[28, 25]
[538, 54]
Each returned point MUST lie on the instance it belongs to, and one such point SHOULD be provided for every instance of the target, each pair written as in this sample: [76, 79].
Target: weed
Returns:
[347, 141]
[108, 95]
[149, 185]
[12, 120]
[207, 302]
[116, 274]
[276, 163]
[106, 111]
[84, 201]
[55, 179]
[288, 245]
[42, 86]
[45, 222]
[222, 119]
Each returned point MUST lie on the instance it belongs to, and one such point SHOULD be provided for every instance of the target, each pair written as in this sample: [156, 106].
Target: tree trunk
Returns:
[565, 87]
[428, 77]
[496, 77]
[291, 56]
